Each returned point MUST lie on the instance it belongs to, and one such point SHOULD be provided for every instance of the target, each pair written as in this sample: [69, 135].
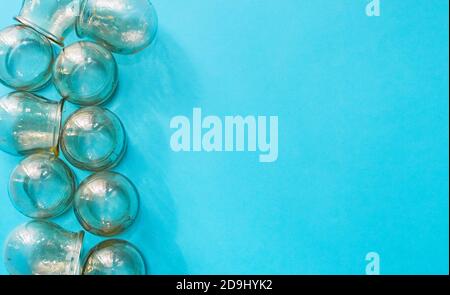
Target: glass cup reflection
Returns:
[26, 58]
[106, 203]
[41, 186]
[40, 247]
[114, 257]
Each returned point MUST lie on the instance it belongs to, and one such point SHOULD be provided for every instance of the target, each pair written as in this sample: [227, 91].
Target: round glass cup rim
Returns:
[45, 82]
[67, 203]
[57, 40]
[28, 89]
[101, 233]
[110, 242]
[114, 230]
[103, 163]
[114, 78]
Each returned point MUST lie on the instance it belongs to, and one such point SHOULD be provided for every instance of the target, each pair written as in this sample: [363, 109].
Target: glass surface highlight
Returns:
[106, 203]
[93, 138]
[85, 73]
[114, 257]
[29, 123]
[26, 58]
[40, 247]
[122, 26]
[51, 18]
[41, 186]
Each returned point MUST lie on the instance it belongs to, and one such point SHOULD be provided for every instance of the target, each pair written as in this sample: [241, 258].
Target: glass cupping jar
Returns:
[122, 26]
[51, 18]
[85, 73]
[29, 123]
[40, 247]
[114, 257]
[106, 203]
[93, 138]
[26, 58]
[41, 186]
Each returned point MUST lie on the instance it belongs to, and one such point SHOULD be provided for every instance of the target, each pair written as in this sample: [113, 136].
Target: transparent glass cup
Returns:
[93, 138]
[40, 247]
[106, 203]
[29, 123]
[122, 26]
[41, 186]
[51, 18]
[114, 257]
[26, 58]
[85, 73]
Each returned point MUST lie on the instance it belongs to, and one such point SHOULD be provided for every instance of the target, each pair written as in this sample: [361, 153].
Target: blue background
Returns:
[363, 138]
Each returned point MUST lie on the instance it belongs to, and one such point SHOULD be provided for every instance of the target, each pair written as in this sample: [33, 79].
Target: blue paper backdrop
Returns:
[363, 138]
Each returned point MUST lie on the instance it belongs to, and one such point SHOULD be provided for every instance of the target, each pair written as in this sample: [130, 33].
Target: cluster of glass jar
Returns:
[92, 138]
